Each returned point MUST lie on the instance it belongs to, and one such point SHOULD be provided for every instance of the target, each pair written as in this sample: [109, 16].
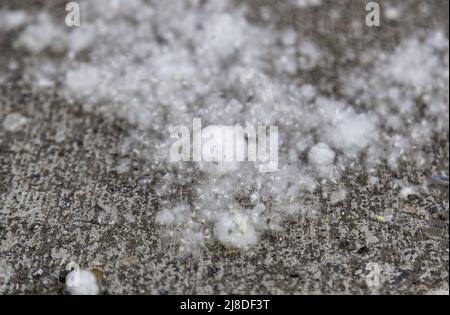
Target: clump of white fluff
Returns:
[321, 157]
[82, 282]
[175, 215]
[338, 196]
[307, 3]
[353, 133]
[407, 192]
[236, 229]
[14, 121]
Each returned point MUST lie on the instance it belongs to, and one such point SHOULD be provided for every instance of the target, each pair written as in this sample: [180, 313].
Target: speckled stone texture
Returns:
[62, 200]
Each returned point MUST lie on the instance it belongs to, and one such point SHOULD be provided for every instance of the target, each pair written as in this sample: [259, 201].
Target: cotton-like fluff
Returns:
[11, 20]
[42, 34]
[321, 157]
[236, 229]
[82, 282]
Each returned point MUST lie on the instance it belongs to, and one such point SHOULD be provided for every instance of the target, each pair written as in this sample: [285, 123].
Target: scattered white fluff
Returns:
[416, 69]
[224, 34]
[14, 122]
[214, 156]
[176, 215]
[41, 34]
[159, 64]
[82, 282]
[438, 40]
[352, 133]
[338, 196]
[307, 183]
[412, 66]
[310, 55]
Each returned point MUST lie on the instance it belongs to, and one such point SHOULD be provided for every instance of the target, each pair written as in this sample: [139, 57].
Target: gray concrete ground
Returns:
[59, 192]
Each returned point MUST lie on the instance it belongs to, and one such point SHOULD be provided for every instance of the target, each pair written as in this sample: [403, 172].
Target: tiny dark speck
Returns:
[213, 270]
[62, 275]
[163, 291]
[26, 96]
[363, 250]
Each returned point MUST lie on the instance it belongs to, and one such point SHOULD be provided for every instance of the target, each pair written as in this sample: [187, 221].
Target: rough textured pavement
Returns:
[61, 200]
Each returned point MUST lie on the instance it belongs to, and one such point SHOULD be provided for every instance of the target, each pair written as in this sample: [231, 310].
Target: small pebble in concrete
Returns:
[384, 217]
[410, 210]
[433, 232]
